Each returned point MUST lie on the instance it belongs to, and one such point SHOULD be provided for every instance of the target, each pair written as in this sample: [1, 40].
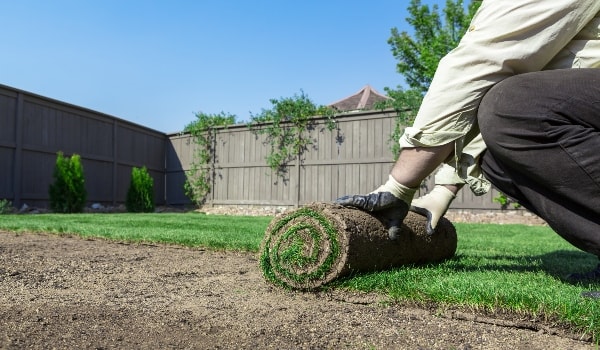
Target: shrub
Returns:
[140, 195]
[6, 206]
[67, 193]
[505, 202]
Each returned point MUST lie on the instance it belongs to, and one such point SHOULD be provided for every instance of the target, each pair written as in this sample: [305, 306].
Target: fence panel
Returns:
[34, 128]
[355, 157]
[241, 175]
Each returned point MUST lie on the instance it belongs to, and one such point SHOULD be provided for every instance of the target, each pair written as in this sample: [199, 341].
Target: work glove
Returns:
[390, 201]
[433, 206]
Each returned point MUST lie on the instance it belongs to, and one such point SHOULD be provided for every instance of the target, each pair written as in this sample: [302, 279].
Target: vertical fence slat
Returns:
[18, 165]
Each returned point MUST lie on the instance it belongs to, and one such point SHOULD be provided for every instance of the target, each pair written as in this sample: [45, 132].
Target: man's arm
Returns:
[505, 38]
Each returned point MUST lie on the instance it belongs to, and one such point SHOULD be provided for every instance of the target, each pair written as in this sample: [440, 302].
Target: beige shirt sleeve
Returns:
[505, 38]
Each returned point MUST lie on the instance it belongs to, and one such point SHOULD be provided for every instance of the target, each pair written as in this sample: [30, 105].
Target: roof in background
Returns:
[364, 99]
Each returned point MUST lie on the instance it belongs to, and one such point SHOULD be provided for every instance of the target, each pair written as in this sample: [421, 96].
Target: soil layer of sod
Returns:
[310, 247]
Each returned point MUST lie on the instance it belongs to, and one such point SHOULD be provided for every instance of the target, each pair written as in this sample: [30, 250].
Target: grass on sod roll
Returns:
[513, 268]
[284, 261]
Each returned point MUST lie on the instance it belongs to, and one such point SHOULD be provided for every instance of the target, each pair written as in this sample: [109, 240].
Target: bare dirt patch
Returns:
[68, 292]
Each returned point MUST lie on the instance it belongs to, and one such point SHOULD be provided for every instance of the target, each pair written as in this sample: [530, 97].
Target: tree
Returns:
[203, 130]
[419, 54]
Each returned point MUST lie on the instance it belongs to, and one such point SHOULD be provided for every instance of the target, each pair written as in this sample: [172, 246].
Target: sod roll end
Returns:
[314, 245]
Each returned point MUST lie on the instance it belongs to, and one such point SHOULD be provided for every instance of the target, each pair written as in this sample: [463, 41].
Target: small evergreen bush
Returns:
[67, 193]
[6, 206]
[140, 195]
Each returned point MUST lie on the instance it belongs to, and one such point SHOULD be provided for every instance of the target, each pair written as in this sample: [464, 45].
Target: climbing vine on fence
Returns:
[406, 104]
[199, 177]
[286, 127]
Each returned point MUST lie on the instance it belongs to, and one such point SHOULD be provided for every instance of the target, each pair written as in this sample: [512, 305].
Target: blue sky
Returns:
[157, 63]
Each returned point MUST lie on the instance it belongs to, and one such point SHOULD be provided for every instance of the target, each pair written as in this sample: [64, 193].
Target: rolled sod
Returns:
[314, 245]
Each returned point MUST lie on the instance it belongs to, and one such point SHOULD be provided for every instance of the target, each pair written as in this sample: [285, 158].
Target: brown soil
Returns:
[67, 292]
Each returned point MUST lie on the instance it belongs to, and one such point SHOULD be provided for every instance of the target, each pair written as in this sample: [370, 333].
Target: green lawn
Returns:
[189, 229]
[513, 268]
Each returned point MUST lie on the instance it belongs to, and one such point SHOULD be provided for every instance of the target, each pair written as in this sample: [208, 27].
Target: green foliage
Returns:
[418, 55]
[6, 206]
[191, 229]
[405, 103]
[285, 126]
[140, 195]
[68, 193]
[199, 177]
[505, 202]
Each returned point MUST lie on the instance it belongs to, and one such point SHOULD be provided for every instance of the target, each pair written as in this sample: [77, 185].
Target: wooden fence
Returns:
[34, 128]
[354, 158]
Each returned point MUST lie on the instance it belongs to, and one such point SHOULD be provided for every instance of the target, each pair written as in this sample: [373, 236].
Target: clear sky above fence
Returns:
[157, 62]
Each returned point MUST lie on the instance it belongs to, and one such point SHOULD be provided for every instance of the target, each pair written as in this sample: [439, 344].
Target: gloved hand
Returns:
[390, 201]
[433, 205]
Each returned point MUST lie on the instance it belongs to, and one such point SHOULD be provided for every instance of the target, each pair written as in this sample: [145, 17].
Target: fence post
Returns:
[213, 165]
[114, 162]
[298, 169]
[18, 167]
